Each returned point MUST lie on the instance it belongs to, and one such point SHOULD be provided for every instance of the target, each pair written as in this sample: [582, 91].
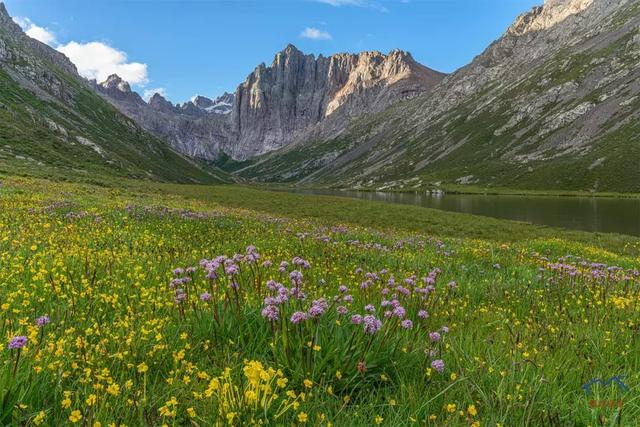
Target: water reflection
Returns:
[608, 215]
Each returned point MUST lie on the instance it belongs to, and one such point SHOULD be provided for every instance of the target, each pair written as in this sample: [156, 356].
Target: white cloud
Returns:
[343, 2]
[315, 34]
[358, 3]
[148, 93]
[94, 60]
[34, 31]
[97, 60]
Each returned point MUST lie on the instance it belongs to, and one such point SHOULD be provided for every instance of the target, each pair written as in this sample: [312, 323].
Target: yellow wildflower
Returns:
[113, 389]
[39, 418]
[75, 416]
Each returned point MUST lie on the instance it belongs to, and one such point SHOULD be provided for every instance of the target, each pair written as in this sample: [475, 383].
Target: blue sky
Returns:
[208, 46]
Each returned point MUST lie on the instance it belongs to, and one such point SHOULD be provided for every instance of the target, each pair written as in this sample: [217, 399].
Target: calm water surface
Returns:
[602, 214]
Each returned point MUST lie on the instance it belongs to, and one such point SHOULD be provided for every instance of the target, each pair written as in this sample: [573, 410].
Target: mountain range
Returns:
[296, 98]
[553, 103]
[53, 123]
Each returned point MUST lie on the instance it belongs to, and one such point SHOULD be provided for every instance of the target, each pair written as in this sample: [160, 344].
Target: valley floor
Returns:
[158, 304]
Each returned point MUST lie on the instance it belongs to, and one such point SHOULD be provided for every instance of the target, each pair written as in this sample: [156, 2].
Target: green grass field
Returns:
[131, 303]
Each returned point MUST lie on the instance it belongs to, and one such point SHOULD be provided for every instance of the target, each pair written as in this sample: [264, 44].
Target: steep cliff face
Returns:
[553, 103]
[199, 128]
[285, 102]
[297, 98]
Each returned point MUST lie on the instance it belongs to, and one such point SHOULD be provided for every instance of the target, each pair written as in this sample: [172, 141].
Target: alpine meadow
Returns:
[348, 238]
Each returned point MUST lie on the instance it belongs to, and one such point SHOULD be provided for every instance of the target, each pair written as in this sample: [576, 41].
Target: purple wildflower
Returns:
[18, 342]
[181, 296]
[356, 319]
[231, 269]
[403, 290]
[423, 314]
[270, 312]
[434, 336]
[296, 277]
[283, 266]
[206, 296]
[272, 285]
[407, 324]
[371, 324]
[298, 317]
[318, 307]
[438, 365]
[399, 312]
[42, 320]
[301, 262]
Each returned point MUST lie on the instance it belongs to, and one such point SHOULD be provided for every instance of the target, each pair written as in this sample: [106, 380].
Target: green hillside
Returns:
[53, 124]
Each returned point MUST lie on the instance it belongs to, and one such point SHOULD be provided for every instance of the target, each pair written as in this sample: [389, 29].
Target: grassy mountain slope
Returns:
[53, 124]
[551, 109]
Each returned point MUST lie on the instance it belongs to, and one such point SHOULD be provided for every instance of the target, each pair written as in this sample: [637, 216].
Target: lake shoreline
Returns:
[591, 214]
[451, 189]
[457, 190]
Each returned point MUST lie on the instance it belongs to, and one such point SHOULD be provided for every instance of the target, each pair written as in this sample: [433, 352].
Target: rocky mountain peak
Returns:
[290, 51]
[223, 104]
[114, 87]
[16, 47]
[543, 17]
[158, 102]
[283, 102]
[226, 97]
[296, 97]
[9, 25]
[290, 48]
[114, 81]
[4, 15]
[199, 105]
[201, 101]
[3, 11]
